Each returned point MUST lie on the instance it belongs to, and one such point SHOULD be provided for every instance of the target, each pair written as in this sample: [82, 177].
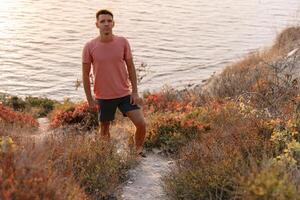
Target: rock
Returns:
[130, 182]
[156, 151]
[170, 162]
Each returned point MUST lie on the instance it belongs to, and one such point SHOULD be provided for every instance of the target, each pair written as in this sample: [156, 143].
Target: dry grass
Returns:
[25, 173]
[267, 78]
[62, 167]
[94, 164]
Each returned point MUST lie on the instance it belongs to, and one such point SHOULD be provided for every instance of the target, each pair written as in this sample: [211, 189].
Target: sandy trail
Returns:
[145, 180]
[43, 129]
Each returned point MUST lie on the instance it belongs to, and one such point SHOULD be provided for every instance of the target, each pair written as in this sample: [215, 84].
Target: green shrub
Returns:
[169, 133]
[40, 106]
[95, 165]
[208, 167]
[273, 182]
[17, 103]
[36, 106]
[204, 172]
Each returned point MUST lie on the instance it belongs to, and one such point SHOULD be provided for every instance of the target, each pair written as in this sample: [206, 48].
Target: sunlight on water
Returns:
[182, 42]
[6, 21]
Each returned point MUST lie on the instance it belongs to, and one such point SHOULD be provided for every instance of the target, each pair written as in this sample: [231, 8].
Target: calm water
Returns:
[182, 42]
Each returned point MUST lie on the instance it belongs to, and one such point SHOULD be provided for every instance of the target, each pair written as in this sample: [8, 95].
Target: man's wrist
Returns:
[90, 99]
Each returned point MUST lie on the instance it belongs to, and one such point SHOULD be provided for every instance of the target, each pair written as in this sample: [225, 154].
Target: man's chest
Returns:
[108, 53]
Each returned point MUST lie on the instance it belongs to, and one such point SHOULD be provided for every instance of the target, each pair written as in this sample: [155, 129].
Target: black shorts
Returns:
[108, 107]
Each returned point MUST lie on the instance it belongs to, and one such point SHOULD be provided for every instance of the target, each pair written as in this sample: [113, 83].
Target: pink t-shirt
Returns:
[109, 67]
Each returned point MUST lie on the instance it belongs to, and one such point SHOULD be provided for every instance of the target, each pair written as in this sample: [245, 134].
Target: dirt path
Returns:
[145, 180]
[43, 129]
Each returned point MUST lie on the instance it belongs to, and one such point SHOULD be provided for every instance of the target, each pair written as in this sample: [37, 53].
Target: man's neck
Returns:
[106, 38]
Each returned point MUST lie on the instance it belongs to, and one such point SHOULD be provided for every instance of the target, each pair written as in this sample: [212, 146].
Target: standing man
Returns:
[113, 69]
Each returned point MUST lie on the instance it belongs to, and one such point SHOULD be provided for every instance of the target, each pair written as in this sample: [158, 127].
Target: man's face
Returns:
[105, 23]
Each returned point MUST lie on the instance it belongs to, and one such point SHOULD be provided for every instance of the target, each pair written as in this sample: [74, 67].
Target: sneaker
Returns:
[142, 154]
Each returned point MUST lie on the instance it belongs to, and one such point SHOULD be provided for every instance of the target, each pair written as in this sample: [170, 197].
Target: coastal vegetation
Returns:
[67, 161]
[252, 146]
[236, 137]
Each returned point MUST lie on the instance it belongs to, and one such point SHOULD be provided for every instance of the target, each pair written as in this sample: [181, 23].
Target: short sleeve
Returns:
[86, 54]
[127, 51]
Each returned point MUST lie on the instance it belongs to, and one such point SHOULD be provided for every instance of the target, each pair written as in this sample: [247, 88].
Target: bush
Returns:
[94, 164]
[26, 175]
[39, 106]
[36, 106]
[18, 104]
[72, 167]
[271, 182]
[170, 132]
[79, 116]
[208, 167]
[10, 119]
[168, 100]
[204, 172]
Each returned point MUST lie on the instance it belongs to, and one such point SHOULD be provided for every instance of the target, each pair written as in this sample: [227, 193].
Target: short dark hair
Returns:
[104, 12]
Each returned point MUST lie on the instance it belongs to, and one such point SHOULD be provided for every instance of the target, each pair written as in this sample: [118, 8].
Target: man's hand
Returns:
[135, 99]
[92, 103]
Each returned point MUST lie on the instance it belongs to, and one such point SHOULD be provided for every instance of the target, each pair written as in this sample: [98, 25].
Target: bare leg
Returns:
[137, 117]
[104, 131]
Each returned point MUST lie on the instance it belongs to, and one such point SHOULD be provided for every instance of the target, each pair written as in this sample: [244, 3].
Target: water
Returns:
[182, 42]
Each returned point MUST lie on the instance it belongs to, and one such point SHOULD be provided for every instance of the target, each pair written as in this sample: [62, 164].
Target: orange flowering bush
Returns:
[79, 115]
[8, 116]
[160, 102]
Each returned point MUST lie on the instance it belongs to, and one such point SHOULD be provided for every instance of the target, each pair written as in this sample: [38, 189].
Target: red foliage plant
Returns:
[159, 102]
[9, 116]
[81, 115]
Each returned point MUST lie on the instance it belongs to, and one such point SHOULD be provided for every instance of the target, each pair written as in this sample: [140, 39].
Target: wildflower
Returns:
[6, 144]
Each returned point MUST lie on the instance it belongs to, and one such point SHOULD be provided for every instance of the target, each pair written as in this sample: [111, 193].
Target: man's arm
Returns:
[133, 79]
[86, 68]
[132, 74]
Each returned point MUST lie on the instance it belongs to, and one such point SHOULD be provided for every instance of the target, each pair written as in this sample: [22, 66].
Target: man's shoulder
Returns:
[91, 42]
[120, 38]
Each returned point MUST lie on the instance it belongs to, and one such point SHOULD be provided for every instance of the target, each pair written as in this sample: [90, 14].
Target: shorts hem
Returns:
[133, 108]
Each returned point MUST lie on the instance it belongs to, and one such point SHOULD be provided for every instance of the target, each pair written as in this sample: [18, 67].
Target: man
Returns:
[113, 69]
